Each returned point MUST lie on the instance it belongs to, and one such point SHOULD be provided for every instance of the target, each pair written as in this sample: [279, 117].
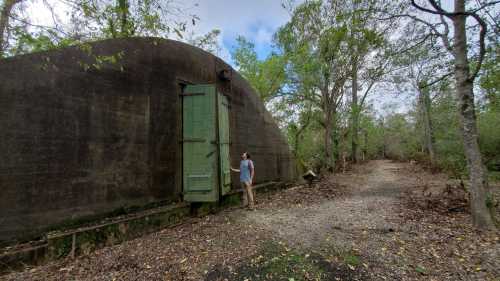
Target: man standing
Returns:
[247, 173]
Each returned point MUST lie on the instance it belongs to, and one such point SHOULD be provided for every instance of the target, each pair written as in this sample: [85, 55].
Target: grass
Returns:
[494, 176]
[278, 262]
[351, 259]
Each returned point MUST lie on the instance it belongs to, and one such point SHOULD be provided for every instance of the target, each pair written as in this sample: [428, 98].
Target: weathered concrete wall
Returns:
[81, 137]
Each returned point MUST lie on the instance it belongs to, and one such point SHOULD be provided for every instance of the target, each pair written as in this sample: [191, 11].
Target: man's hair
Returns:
[248, 154]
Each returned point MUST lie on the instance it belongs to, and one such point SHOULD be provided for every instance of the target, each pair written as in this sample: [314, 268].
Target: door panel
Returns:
[199, 144]
[225, 165]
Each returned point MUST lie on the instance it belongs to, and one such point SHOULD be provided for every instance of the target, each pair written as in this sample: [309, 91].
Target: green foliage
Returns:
[92, 20]
[399, 140]
[448, 140]
[266, 76]
[372, 137]
[489, 136]
[125, 18]
[277, 262]
[489, 116]
[208, 42]
[306, 139]
[490, 74]
[27, 42]
[352, 260]
[420, 270]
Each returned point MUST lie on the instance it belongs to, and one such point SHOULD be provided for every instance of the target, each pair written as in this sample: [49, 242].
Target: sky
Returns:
[256, 20]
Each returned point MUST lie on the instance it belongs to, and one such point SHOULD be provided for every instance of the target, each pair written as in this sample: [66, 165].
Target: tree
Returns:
[208, 42]
[425, 68]
[316, 47]
[266, 76]
[366, 43]
[125, 18]
[5, 15]
[481, 200]
[92, 20]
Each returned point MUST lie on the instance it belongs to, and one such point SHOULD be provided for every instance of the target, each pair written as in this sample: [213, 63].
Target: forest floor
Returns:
[382, 220]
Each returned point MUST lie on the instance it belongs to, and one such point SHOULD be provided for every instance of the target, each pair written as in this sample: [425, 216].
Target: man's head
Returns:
[245, 155]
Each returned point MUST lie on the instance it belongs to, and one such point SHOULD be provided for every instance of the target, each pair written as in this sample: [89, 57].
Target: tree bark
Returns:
[328, 139]
[298, 134]
[365, 148]
[123, 10]
[425, 111]
[354, 113]
[479, 189]
[5, 13]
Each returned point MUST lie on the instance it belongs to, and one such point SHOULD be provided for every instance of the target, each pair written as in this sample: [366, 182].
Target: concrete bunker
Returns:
[125, 123]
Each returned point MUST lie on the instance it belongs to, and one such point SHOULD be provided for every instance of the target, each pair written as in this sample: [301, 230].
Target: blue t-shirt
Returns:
[245, 166]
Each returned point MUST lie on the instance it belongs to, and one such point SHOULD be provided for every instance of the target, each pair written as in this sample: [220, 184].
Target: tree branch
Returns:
[482, 47]
[439, 11]
[446, 42]
[39, 26]
[436, 81]
[480, 21]
[492, 3]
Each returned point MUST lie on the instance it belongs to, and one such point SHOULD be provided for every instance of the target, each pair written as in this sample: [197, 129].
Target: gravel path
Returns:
[353, 226]
[370, 201]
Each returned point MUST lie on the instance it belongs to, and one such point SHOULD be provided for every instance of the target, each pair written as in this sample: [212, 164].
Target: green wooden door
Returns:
[225, 165]
[199, 144]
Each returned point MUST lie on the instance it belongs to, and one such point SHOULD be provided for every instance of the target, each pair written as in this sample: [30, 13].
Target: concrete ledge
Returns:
[86, 240]
[82, 241]
[22, 255]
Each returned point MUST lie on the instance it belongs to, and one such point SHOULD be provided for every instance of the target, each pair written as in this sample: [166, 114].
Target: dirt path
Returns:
[380, 221]
[370, 201]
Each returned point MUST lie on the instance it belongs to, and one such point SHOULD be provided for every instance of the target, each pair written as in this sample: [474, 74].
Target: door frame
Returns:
[181, 86]
[217, 140]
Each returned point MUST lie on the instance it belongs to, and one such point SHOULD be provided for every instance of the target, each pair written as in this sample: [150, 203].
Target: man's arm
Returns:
[235, 170]
[252, 171]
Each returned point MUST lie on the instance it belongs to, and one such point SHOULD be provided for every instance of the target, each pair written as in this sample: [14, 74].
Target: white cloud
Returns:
[239, 16]
[264, 36]
[256, 20]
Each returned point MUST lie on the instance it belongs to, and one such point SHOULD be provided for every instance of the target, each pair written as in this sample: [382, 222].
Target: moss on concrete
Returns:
[90, 239]
[59, 247]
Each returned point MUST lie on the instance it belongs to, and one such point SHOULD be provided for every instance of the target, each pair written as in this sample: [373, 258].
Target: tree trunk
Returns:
[354, 113]
[479, 190]
[296, 145]
[5, 13]
[328, 139]
[123, 10]
[365, 148]
[425, 111]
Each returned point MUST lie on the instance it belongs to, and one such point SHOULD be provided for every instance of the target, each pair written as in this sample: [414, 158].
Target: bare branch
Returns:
[417, 19]
[483, 6]
[437, 80]
[39, 26]
[480, 21]
[427, 36]
[439, 10]
[446, 33]
[482, 47]
[443, 36]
